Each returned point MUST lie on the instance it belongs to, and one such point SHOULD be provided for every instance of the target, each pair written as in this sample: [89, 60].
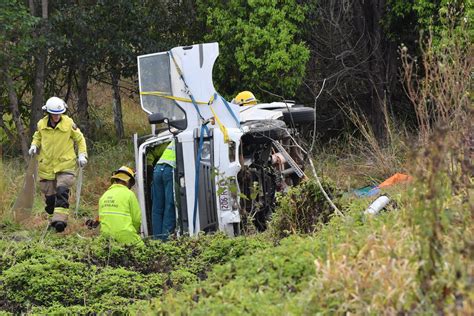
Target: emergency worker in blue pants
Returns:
[162, 194]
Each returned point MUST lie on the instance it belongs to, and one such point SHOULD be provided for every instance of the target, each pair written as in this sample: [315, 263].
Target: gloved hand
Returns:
[82, 160]
[33, 150]
[91, 224]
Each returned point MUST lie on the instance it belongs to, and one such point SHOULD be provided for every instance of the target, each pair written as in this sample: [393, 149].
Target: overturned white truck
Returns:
[230, 160]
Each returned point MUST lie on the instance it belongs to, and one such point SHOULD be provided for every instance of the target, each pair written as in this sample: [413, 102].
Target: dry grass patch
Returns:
[379, 276]
[11, 183]
[134, 118]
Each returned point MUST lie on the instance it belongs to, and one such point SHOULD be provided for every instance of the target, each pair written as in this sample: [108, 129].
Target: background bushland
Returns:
[345, 50]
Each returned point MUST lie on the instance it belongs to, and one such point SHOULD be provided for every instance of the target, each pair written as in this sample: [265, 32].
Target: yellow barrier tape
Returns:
[221, 126]
[167, 96]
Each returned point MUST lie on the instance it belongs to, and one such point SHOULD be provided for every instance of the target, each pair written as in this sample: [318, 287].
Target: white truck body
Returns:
[169, 82]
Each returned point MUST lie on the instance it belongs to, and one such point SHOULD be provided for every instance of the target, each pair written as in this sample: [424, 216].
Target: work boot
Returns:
[62, 197]
[59, 226]
[50, 201]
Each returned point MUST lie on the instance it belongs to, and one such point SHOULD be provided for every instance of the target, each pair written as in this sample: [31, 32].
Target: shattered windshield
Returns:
[155, 85]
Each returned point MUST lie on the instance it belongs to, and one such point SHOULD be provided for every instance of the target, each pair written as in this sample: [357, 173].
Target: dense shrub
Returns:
[119, 282]
[302, 209]
[106, 305]
[83, 275]
[46, 281]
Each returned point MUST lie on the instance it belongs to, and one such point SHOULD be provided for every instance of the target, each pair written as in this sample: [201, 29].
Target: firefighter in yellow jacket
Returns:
[54, 140]
[119, 212]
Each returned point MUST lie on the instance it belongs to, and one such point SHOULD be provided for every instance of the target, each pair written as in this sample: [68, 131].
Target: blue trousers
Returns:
[162, 196]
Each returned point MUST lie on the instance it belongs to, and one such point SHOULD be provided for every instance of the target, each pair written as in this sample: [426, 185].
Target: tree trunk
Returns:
[40, 64]
[82, 102]
[70, 77]
[352, 52]
[117, 104]
[368, 17]
[13, 98]
[44, 9]
[31, 4]
[38, 89]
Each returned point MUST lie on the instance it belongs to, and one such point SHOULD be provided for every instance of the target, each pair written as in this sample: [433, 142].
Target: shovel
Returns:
[24, 201]
[78, 191]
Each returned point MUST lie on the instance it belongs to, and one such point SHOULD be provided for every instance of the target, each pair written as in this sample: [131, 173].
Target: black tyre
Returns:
[298, 115]
[264, 131]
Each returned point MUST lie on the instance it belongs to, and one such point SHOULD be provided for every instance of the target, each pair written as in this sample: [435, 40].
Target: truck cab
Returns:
[230, 160]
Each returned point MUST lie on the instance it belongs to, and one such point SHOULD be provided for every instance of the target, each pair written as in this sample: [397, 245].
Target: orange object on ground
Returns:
[396, 178]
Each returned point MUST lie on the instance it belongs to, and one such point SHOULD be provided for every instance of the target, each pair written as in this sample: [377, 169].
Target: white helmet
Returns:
[55, 105]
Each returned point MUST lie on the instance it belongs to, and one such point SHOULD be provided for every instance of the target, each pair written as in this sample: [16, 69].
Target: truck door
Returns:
[154, 84]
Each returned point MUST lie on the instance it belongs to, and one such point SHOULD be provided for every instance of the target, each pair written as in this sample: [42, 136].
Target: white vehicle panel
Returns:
[254, 114]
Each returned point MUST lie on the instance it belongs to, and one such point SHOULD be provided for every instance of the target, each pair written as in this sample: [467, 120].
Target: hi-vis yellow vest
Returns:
[169, 155]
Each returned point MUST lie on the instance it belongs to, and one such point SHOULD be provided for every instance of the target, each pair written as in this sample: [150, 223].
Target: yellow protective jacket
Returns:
[57, 146]
[119, 215]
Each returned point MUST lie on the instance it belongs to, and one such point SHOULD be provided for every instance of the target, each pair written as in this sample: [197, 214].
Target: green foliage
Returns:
[416, 261]
[259, 44]
[46, 281]
[98, 275]
[15, 33]
[106, 305]
[441, 219]
[181, 277]
[166, 24]
[16, 42]
[426, 15]
[302, 209]
[221, 248]
[352, 264]
[119, 282]
[369, 270]
[246, 283]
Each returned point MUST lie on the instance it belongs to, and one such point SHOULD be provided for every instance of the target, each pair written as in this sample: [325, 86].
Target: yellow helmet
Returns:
[245, 98]
[125, 174]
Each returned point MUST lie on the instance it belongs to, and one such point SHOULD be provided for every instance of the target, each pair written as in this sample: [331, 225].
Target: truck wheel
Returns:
[264, 131]
[298, 115]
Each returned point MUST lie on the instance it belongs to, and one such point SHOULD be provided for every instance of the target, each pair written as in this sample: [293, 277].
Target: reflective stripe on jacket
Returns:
[119, 215]
[56, 145]
[169, 155]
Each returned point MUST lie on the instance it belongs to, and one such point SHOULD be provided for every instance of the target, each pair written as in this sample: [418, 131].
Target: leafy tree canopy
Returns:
[259, 43]
[15, 32]
[426, 15]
